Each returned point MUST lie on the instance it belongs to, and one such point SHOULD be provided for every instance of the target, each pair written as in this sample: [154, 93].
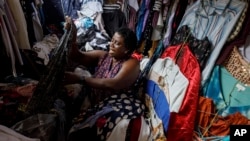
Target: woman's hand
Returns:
[74, 52]
[71, 78]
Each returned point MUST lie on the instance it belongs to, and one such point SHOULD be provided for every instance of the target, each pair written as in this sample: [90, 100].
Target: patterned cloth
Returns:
[124, 106]
[229, 94]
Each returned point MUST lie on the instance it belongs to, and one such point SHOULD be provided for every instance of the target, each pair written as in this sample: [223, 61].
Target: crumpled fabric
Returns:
[211, 124]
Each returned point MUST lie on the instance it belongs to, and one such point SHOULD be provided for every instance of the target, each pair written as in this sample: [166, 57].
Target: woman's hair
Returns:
[130, 39]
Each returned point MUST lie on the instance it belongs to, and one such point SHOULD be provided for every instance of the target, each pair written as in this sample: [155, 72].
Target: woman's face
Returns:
[117, 47]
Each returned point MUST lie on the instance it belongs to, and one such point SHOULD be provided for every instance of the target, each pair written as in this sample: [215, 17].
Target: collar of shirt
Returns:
[209, 7]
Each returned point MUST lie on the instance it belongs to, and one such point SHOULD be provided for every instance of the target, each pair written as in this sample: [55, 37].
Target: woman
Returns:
[116, 71]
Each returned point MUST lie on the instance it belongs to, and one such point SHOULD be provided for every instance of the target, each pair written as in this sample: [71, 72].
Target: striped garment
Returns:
[216, 20]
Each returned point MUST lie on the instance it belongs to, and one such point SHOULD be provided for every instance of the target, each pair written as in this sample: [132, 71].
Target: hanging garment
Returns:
[165, 89]
[50, 83]
[38, 30]
[7, 44]
[168, 34]
[181, 124]
[11, 27]
[229, 94]
[170, 81]
[113, 20]
[70, 7]
[200, 48]
[21, 34]
[245, 49]
[212, 19]
[140, 24]
[53, 11]
[239, 42]
[90, 8]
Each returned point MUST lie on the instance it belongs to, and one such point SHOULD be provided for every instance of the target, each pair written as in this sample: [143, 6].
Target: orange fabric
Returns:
[211, 124]
[222, 125]
[206, 111]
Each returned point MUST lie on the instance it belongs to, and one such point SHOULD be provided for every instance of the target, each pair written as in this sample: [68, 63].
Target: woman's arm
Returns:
[90, 58]
[125, 77]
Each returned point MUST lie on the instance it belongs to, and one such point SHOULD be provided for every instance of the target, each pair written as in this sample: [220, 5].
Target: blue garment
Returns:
[160, 102]
[70, 7]
[228, 94]
[141, 15]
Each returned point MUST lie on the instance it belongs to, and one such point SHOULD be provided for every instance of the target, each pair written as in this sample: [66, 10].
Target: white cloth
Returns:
[120, 131]
[171, 80]
[90, 9]
[143, 63]
[7, 134]
[21, 34]
[44, 47]
[157, 30]
[134, 4]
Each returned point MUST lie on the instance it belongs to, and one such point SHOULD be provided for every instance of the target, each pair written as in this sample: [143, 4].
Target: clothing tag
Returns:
[240, 87]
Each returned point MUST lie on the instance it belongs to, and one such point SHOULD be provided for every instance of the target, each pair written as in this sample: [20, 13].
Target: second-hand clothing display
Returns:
[194, 79]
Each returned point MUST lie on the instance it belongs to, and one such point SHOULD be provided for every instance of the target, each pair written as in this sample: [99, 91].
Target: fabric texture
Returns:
[238, 67]
[105, 70]
[181, 124]
[229, 94]
[212, 19]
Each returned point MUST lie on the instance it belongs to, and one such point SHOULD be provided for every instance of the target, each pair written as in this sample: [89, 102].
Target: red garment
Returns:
[135, 125]
[137, 56]
[181, 125]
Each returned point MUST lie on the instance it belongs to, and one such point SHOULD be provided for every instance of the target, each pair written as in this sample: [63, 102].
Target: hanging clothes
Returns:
[229, 94]
[200, 48]
[215, 20]
[166, 88]
[181, 124]
[50, 83]
[239, 41]
[21, 34]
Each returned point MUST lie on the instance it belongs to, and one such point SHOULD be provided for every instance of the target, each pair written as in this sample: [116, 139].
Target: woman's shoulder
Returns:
[133, 62]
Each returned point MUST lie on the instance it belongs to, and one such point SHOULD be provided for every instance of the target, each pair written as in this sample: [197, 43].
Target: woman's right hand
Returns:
[71, 78]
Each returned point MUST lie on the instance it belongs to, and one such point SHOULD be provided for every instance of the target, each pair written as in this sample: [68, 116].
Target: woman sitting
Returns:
[112, 98]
